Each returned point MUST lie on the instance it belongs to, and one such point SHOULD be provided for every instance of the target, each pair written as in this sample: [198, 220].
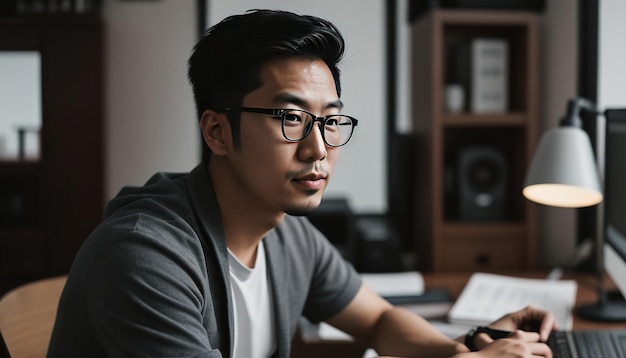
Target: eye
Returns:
[332, 121]
[338, 122]
[292, 119]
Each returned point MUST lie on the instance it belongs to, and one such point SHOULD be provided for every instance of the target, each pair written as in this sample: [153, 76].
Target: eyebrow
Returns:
[284, 98]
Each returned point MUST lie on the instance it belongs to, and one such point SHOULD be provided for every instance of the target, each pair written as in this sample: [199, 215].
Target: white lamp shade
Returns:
[563, 171]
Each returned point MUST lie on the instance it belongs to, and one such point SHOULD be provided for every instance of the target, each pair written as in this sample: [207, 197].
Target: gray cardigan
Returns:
[152, 279]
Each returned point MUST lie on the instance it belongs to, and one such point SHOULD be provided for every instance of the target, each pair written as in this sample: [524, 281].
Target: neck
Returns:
[245, 218]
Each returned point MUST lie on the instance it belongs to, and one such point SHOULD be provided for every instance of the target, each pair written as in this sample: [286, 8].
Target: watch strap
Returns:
[470, 337]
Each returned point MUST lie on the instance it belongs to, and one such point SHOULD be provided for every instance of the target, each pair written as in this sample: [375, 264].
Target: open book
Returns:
[487, 297]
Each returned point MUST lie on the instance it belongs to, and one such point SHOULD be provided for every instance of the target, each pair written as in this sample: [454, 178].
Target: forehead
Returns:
[308, 80]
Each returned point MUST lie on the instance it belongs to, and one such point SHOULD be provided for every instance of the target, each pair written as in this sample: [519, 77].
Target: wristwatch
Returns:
[470, 337]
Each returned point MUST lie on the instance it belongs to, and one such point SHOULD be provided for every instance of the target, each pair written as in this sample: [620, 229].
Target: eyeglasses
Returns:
[296, 124]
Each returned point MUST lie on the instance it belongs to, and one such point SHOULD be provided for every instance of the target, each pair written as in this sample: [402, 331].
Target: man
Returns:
[219, 262]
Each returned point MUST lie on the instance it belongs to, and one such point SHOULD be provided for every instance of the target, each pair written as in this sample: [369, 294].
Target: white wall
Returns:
[611, 94]
[150, 117]
[612, 54]
[360, 174]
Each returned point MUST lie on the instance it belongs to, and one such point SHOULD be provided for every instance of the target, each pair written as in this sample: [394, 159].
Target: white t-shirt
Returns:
[255, 328]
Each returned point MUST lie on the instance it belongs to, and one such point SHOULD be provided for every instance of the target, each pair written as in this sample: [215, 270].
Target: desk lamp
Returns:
[564, 173]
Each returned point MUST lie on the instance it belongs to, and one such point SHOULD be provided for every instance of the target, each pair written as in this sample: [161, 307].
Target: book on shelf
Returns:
[480, 65]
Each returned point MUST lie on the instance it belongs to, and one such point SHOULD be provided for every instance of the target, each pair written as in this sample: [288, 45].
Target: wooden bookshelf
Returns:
[445, 241]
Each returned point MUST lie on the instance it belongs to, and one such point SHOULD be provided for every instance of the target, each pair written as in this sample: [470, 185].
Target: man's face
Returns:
[287, 176]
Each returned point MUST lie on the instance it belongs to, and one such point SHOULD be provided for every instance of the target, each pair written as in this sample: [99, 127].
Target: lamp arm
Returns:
[574, 106]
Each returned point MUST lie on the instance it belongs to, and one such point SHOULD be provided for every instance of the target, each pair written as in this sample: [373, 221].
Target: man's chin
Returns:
[302, 210]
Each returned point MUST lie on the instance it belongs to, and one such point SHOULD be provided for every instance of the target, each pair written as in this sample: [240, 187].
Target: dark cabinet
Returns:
[51, 204]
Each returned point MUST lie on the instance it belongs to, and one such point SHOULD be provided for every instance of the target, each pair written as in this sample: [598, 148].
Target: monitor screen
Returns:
[615, 197]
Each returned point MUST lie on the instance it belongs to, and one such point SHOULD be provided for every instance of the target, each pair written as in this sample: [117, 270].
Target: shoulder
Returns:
[146, 228]
[140, 244]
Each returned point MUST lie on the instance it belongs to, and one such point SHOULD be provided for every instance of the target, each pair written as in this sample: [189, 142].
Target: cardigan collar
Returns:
[209, 220]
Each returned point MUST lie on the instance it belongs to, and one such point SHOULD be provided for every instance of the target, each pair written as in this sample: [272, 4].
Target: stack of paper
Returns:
[395, 284]
[487, 297]
[406, 289]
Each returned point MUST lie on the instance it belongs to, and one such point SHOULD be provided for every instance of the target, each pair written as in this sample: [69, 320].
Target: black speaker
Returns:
[378, 246]
[481, 183]
[335, 219]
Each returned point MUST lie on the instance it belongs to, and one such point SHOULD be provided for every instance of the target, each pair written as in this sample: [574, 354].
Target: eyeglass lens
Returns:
[336, 129]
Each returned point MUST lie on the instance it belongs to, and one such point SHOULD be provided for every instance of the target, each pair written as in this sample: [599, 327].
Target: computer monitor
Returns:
[615, 197]
[613, 224]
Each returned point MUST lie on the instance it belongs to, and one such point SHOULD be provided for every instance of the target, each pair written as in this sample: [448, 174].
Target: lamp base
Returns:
[607, 311]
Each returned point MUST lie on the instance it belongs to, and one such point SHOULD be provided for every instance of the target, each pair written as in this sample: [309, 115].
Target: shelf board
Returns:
[513, 229]
[18, 163]
[484, 18]
[21, 232]
[509, 119]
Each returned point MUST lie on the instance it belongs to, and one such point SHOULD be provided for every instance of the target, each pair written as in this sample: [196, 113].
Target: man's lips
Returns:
[311, 181]
[312, 176]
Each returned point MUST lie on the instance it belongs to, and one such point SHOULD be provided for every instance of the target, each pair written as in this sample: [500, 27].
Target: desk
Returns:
[586, 294]
[454, 283]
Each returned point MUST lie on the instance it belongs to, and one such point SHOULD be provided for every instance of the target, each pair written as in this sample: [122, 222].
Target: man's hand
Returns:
[515, 346]
[529, 328]
[529, 319]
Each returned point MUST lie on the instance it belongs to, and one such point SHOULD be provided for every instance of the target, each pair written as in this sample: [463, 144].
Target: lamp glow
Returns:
[561, 195]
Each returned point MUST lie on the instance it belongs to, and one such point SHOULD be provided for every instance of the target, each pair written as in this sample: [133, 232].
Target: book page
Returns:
[487, 297]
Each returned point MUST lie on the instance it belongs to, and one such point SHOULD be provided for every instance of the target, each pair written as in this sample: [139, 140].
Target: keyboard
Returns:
[588, 344]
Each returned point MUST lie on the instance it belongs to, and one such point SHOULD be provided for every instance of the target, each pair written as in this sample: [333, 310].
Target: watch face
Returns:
[469, 339]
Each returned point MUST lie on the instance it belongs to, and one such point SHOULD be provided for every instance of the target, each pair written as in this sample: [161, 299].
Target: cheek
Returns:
[269, 161]
[332, 157]
[260, 133]
[265, 151]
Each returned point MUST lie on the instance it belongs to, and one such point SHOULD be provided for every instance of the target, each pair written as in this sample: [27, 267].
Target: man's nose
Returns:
[313, 148]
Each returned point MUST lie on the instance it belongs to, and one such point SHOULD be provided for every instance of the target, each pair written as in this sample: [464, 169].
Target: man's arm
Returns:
[394, 331]
[391, 330]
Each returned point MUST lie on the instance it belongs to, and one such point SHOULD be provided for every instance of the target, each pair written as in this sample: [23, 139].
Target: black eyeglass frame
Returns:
[280, 114]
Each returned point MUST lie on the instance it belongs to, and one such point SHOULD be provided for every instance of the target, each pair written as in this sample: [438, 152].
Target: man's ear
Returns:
[215, 131]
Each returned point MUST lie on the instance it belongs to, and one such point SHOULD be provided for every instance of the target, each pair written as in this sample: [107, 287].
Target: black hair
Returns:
[225, 64]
